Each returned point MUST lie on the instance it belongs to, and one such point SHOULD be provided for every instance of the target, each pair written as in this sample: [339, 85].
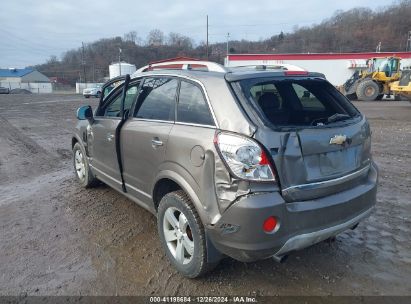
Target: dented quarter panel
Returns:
[228, 114]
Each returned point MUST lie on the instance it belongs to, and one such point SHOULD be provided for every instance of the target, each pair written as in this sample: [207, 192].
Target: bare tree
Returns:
[179, 40]
[132, 36]
[155, 38]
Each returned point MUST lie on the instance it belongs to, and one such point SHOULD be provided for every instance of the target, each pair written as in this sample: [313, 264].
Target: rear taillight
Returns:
[244, 157]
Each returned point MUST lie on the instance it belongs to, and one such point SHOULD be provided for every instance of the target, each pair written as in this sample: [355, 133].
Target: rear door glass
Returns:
[192, 106]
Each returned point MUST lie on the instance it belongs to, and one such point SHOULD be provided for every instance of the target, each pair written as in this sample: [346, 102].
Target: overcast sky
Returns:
[32, 31]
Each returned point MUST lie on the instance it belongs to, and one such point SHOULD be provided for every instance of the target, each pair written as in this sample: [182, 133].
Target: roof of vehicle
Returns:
[194, 68]
[241, 75]
[185, 73]
[230, 75]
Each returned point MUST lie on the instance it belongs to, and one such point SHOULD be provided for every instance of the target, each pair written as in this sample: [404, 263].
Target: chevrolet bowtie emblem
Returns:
[338, 140]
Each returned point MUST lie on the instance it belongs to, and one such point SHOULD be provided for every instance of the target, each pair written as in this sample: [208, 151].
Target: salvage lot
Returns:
[59, 239]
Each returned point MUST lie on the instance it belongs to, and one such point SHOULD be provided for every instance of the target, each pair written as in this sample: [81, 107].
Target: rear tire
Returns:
[182, 235]
[368, 90]
[81, 166]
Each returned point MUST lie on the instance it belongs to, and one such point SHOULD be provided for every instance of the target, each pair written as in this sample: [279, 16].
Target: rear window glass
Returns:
[293, 102]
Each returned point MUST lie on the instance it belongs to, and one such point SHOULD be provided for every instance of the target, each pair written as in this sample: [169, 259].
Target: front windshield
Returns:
[388, 65]
[381, 63]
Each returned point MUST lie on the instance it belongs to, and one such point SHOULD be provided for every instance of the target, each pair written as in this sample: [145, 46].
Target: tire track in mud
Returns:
[21, 156]
[17, 137]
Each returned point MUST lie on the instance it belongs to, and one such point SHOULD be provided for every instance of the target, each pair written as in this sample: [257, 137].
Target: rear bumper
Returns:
[307, 239]
[239, 232]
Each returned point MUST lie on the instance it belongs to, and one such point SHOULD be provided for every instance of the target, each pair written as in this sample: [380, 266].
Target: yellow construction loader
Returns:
[373, 82]
[402, 88]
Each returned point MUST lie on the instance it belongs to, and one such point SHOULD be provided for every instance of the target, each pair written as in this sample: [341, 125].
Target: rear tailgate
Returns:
[319, 142]
[309, 166]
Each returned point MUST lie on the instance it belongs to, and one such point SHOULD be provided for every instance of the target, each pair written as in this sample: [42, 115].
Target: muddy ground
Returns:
[59, 239]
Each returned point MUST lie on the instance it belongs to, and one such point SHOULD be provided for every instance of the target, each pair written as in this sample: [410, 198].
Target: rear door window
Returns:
[157, 99]
[192, 106]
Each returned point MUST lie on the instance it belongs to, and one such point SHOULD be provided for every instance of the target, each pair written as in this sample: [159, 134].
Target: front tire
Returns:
[182, 235]
[368, 90]
[82, 170]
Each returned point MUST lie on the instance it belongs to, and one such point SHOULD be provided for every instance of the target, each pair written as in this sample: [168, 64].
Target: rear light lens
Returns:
[244, 157]
[270, 224]
[291, 73]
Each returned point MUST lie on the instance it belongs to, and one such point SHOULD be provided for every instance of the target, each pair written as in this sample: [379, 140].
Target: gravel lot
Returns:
[59, 239]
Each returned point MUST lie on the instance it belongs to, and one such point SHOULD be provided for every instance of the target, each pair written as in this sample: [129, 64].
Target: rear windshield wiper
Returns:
[337, 117]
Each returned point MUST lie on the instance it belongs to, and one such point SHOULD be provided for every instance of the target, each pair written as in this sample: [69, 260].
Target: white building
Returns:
[122, 68]
[27, 78]
[337, 67]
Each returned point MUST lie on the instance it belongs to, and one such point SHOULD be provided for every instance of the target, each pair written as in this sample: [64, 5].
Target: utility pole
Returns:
[378, 49]
[83, 62]
[207, 39]
[228, 50]
[228, 38]
[94, 73]
[409, 42]
[119, 61]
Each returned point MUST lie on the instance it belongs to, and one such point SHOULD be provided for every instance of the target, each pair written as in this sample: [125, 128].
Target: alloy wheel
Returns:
[178, 235]
[80, 165]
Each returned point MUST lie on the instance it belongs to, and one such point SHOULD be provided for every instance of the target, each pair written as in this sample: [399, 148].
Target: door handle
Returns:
[110, 137]
[156, 142]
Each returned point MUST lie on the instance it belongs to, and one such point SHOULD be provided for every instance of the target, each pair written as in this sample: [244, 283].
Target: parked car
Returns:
[247, 163]
[95, 92]
[4, 90]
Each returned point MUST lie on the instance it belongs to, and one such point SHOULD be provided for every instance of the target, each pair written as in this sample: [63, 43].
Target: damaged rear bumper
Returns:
[239, 232]
[307, 239]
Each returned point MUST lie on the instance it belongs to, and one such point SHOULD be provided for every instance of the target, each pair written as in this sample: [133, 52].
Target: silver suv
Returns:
[249, 163]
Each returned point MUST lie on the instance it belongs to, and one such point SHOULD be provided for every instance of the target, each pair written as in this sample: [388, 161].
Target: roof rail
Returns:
[184, 65]
[280, 66]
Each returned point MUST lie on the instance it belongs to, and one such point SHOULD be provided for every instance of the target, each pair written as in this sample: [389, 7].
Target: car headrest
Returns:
[269, 100]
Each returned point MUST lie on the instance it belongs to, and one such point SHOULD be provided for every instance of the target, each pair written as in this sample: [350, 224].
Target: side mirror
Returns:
[85, 112]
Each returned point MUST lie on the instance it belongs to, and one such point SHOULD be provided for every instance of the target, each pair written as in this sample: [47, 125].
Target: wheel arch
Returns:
[168, 181]
[75, 139]
[172, 181]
